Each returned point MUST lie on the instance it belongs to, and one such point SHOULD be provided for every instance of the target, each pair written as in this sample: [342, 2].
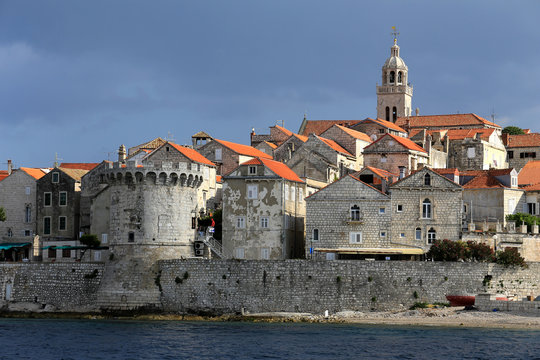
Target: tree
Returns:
[510, 257]
[513, 130]
[90, 240]
[2, 214]
[521, 218]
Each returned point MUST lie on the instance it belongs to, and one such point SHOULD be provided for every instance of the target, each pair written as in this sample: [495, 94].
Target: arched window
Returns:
[400, 77]
[418, 233]
[427, 180]
[355, 213]
[426, 209]
[394, 114]
[431, 235]
[387, 113]
[392, 77]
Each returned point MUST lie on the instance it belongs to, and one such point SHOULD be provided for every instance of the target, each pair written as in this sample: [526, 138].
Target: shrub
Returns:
[513, 130]
[447, 250]
[521, 218]
[90, 240]
[510, 257]
[479, 252]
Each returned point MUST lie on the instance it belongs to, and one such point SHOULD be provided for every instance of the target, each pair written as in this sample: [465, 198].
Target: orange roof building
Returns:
[79, 166]
[450, 121]
[522, 149]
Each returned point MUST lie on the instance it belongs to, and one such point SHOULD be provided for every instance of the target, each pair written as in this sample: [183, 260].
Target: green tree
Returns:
[521, 218]
[510, 257]
[513, 130]
[90, 240]
[2, 214]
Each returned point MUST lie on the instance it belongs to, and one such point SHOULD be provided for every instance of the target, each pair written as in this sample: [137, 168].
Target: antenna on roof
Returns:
[56, 158]
[493, 115]
[170, 137]
[280, 123]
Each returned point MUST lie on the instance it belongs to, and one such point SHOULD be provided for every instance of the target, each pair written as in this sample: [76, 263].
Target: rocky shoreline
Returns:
[436, 317]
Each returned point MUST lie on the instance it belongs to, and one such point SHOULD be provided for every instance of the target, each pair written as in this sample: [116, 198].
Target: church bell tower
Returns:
[395, 94]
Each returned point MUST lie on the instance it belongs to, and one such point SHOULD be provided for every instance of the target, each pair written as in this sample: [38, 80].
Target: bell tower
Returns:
[395, 94]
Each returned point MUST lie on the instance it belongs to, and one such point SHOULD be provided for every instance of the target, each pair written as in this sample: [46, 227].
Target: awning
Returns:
[7, 246]
[381, 251]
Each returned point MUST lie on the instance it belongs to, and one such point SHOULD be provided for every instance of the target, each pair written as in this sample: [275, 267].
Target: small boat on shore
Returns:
[460, 300]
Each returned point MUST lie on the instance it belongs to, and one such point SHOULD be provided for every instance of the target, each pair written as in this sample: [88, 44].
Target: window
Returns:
[218, 155]
[471, 152]
[252, 170]
[239, 253]
[293, 193]
[131, 236]
[514, 180]
[399, 208]
[511, 205]
[47, 199]
[381, 131]
[66, 253]
[402, 235]
[355, 213]
[97, 255]
[400, 77]
[387, 113]
[252, 191]
[28, 214]
[315, 236]
[355, 237]
[431, 235]
[9, 232]
[532, 208]
[240, 222]
[286, 192]
[383, 158]
[51, 254]
[27, 233]
[426, 209]
[382, 234]
[527, 155]
[264, 222]
[62, 199]
[510, 154]
[104, 238]
[394, 114]
[265, 253]
[427, 180]
[392, 77]
[193, 222]
[382, 211]
[27, 190]
[300, 194]
[55, 178]
[47, 225]
[62, 220]
[418, 234]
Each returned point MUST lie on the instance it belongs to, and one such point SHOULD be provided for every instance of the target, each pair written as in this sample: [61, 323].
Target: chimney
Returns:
[401, 172]
[9, 167]
[417, 111]
[429, 139]
[121, 153]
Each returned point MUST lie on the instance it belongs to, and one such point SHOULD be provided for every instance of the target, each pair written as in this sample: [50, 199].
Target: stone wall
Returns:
[227, 286]
[52, 287]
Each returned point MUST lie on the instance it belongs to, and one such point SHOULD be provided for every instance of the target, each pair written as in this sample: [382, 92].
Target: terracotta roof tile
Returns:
[75, 174]
[408, 144]
[80, 166]
[272, 145]
[283, 130]
[461, 134]
[355, 134]
[450, 120]
[278, 168]
[524, 140]
[382, 173]
[335, 146]
[483, 181]
[534, 187]
[317, 127]
[530, 173]
[244, 149]
[35, 173]
[300, 137]
[3, 174]
[192, 154]
[386, 124]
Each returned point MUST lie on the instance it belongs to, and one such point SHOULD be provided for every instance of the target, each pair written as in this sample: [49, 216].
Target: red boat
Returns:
[460, 300]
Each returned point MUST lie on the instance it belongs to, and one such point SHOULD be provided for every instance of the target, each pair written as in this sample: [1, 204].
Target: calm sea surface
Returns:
[100, 339]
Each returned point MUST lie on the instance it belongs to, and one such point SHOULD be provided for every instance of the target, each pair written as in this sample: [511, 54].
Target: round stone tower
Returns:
[395, 94]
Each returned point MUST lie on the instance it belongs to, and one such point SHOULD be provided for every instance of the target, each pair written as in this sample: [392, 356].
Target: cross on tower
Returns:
[395, 33]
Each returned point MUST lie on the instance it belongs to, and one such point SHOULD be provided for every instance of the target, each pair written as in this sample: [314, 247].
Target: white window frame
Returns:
[218, 154]
[241, 222]
[239, 253]
[264, 222]
[50, 225]
[286, 192]
[60, 198]
[104, 238]
[425, 207]
[252, 191]
[300, 194]
[416, 233]
[252, 170]
[60, 222]
[293, 193]
[355, 237]
[265, 254]
[355, 213]
[45, 199]
[56, 175]
[431, 235]
[399, 208]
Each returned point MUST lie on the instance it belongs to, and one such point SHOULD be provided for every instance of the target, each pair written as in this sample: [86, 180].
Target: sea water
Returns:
[118, 339]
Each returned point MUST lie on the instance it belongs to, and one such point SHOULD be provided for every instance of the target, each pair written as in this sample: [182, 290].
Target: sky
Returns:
[80, 78]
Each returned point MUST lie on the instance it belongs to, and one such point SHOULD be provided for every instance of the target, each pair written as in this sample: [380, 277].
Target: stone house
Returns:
[435, 143]
[228, 155]
[521, 149]
[375, 128]
[349, 219]
[266, 147]
[263, 211]
[529, 174]
[425, 206]
[445, 122]
[317, 127]
[285, 151]
[149, 145]
[351, 140]
[278, 134]
[199, 139]
[321, 161]
[378, 178]
[395, 154]
[475, 149]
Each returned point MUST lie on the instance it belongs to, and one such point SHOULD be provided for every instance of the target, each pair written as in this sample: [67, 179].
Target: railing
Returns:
[213, 245]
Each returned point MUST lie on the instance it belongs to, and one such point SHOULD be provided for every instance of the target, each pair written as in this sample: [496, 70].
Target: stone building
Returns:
[471, 149]
[228, 155]
[349, 219]
[378, 178]
[395, 154]
[266, 147]
[529, 174]
[278, 134]
[521, 149]
[446, 122]
[351, 140]
[425, 206]
[287, 148]
[317, 127]
[376, 128]
[263, 211]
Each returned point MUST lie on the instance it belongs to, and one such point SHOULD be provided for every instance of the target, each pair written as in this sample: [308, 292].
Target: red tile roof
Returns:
[243, 149]
[450, 120]
[278, 168]
[530, 173]
[534, 187]
[335, 146]
[219, 178]
[35, 173]
[408, 144]
[283, 130]
[524, 140]
[382, 173]
[272, 145]
[317, 127]
[3, 174]
[192, 154]
[301, 137]
[79, 166]
[483, 181]
[461, 134]
[355, 134]
[443, 171]
[386, 124]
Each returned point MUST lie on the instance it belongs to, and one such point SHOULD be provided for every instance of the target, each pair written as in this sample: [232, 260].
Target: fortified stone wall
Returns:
[227, 286]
